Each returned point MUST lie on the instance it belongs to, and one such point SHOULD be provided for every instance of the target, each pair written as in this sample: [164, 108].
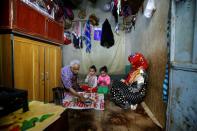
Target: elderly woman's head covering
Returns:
[138, 61]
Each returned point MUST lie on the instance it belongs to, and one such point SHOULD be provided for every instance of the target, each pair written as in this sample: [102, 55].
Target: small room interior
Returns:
[39, 38]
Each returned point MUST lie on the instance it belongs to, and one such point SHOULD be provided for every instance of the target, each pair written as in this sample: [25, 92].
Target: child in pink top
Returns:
[104, 78]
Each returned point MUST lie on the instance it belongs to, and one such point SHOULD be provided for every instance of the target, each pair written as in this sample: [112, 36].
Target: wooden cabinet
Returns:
[19, 17]
[30, 56]
[36, 66]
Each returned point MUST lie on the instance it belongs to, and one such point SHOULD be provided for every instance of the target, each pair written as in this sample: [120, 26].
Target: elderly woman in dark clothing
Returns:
[131, 91]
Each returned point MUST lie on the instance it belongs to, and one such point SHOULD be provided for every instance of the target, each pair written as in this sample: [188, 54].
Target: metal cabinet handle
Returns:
[42, 76]
[47, 75]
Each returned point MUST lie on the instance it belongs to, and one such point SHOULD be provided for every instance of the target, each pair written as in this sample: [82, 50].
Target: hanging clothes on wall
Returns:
[108, 56]
[94, 20]
[150, 9]
[166, 79]
[77, 41]
[67, 38]
[97, 34]
[68, 13]
[107, 37]
[166, 85]
[119, 7]
[128, 20]
[115, 14]
[87, 35]
[77, 29]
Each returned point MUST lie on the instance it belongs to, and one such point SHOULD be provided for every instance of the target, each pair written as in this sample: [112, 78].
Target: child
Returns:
[103, 80]
[91, 80]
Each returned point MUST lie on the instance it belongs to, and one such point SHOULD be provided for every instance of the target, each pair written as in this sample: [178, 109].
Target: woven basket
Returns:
[67, 24]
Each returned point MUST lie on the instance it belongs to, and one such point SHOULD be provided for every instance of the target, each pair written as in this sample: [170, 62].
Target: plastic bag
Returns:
[150, 8]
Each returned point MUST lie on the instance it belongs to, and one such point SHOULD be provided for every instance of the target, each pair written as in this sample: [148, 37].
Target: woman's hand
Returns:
[104, 82]
[82, 98]
[89, 74]
[122, 80]
[90, 90]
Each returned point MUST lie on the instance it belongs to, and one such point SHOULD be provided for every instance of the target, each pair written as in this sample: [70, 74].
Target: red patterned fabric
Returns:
[115, 3]
[89, 89]
[67, 41]
[67, 38]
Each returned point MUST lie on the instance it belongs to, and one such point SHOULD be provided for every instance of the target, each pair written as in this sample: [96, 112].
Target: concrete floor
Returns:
[112, 118]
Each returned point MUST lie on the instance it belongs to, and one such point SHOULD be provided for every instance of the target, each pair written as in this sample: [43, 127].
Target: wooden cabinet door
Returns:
[58, 66]
[52, 70]
[41, 88]
[26, 66]
[48, 72]
[36, 68]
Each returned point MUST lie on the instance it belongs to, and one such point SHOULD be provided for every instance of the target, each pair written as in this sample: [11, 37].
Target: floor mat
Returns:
[96, 101]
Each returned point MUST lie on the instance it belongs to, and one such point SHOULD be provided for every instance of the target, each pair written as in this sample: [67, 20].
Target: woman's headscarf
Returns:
[138, 60]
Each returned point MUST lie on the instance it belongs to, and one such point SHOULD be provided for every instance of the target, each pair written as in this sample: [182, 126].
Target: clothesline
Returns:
[79, 20]
[84, 20]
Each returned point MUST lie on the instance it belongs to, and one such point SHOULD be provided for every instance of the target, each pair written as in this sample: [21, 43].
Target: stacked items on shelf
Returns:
[41, 7]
